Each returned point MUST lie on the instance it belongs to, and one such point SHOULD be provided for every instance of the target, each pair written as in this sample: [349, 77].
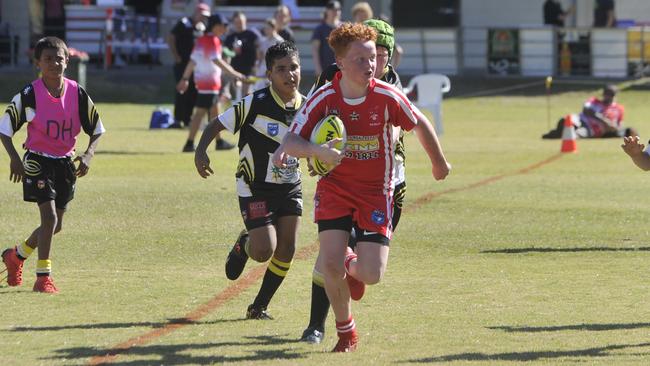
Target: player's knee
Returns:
[372, 276]
[333, 269]
[59, 226]
[260, 254]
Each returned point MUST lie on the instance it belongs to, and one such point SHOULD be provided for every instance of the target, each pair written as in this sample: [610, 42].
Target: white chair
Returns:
[429, 89]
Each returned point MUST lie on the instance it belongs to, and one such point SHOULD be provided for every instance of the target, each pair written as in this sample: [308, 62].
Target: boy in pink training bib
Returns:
[55, 109]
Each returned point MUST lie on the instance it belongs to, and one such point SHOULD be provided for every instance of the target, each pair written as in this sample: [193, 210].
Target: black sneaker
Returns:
[224, 145]
[551, 135]
[257, 312]
[237, 257]
[189, 147]
[313, 335]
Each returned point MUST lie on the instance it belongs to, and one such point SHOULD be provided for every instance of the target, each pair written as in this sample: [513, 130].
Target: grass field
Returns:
[520, 256]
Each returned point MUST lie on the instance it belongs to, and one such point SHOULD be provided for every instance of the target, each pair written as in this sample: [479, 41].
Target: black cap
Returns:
[333, 4]
[216, 19]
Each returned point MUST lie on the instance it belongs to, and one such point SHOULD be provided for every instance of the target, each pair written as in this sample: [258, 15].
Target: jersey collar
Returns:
[279, 101]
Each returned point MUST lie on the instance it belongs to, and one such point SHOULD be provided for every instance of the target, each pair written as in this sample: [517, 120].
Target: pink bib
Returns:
[56, 124]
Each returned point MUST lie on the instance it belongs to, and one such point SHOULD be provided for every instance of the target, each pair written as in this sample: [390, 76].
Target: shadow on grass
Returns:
[178, 354]
[533, 356]
[115, 152]
[590, 327]
[563, 250]
[120, 325]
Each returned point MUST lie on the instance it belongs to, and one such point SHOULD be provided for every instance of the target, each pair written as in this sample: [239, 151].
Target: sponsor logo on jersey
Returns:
[272, 129]
[378, 217]
[354, 116]
[333, 111]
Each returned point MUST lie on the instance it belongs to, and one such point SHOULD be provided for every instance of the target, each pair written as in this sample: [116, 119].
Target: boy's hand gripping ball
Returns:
[327, 129]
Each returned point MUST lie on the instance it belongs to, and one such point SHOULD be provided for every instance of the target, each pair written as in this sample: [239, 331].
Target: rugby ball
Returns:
[327, 129]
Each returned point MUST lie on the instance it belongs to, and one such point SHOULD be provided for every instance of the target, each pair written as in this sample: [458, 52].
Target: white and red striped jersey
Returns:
[207, 75]
[372, 125]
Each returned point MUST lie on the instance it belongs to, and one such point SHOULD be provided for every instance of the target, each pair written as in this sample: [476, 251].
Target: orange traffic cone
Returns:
[569, 143]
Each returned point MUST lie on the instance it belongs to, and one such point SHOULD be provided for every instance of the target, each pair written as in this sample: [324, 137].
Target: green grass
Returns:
[543, 268]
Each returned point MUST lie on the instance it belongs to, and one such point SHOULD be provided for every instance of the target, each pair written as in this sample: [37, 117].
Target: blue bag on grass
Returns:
[161, 118]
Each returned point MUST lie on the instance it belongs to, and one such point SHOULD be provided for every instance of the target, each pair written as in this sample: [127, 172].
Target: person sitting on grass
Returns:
[600, 118]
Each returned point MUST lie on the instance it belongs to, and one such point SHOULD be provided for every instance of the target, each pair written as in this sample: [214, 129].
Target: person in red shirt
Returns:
[206, 64]
[359, 190]
[599, 118]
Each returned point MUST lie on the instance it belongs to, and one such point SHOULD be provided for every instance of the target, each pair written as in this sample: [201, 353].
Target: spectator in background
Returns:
[145, 28]
[282, 18]
[207, 64]
[54, 19]
[269, 37]
[600, 118]
[322, 53]
[243, 42]
[398, 51]
[361, 12]
[604, 15]
[554, 14]
[181, 41]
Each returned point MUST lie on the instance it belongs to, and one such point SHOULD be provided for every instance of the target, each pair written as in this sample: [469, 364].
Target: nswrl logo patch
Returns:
[272, 129]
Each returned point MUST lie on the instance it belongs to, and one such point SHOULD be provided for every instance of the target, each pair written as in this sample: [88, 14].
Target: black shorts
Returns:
[48, 179]
[206, 100]
[266, 206]
[345, 223]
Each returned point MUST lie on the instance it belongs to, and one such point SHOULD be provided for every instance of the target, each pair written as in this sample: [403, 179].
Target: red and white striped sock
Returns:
[346, 329]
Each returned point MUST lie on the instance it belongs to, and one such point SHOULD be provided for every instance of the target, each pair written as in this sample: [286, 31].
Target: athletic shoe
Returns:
[346, 345]
[189, 147]
[313, 335]
[257, 312]
[45, 284]
[357, 288]
[224, 145]
[237, 257]
[14, 267]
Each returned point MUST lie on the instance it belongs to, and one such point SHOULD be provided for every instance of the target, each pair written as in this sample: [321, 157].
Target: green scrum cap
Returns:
[385, 34]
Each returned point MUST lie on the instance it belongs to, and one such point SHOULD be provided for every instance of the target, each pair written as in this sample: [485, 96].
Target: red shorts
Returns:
[371, 211]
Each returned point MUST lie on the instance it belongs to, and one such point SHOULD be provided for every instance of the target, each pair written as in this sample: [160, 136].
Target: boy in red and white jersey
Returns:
[359, 190]
[55, 110]
[206, 64]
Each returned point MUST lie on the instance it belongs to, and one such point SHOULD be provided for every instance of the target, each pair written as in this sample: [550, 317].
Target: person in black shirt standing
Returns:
[282, 18]
[553, 13]
[604, 14]
[243, 42]
[181, 41]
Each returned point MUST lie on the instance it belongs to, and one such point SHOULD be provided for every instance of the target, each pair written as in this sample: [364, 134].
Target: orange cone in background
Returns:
[569, 136]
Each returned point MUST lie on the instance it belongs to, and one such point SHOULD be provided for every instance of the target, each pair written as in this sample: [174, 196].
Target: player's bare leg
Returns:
[281, 240]
[370, 265]
[333, 246]
[197, 117]
[50, 218]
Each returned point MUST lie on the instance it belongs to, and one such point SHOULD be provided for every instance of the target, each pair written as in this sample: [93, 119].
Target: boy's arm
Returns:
[634, 148]
[16, 169]
[84, 159]
[201, 159]
[294, 145]
[229, 69]
[429, 141]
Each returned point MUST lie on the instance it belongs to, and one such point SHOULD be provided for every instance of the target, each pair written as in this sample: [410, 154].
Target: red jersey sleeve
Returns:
[405, 114]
